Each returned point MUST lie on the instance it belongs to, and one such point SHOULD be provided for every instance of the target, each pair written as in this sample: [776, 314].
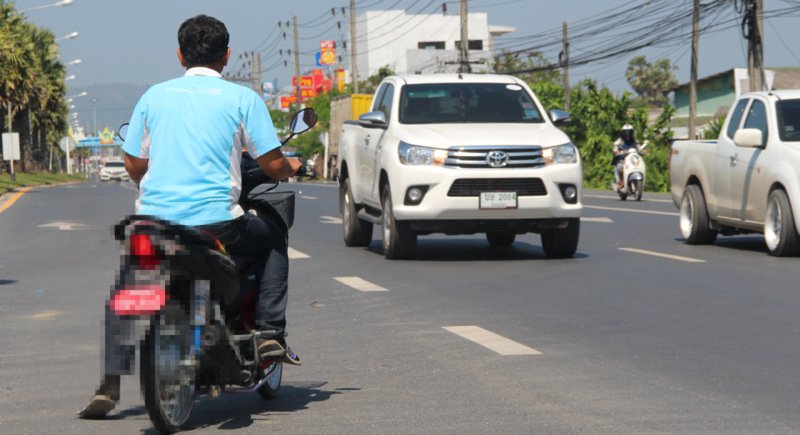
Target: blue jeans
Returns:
[248, 236]
[253, 237]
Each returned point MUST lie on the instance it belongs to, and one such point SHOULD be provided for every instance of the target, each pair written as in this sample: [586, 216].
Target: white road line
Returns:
[360, 284]
[630, 210]
[491, 341]
[662, 255]
[45, 315]
[330, 220]
[309, 197]
[603, 220]
[295, 254]
[616, 197]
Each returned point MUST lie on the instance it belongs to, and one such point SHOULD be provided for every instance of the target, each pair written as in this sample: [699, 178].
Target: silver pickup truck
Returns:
[747, 180]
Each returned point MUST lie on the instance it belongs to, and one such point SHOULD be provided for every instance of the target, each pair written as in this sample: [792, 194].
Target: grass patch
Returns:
[35, 179]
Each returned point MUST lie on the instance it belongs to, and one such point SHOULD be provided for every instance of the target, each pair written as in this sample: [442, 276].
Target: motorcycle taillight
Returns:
[144, 252]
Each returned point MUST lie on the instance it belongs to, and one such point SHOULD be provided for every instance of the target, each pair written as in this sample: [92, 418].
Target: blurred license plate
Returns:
[490, 200]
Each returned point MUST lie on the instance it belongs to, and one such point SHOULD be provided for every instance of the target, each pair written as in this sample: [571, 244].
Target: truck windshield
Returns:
[789, 120]
[444, 103]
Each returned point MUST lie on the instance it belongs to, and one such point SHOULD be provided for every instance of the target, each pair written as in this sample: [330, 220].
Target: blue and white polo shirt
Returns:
[192, 130]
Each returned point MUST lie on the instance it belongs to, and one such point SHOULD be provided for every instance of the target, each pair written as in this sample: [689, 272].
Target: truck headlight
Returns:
[417, 155]
[566, 153]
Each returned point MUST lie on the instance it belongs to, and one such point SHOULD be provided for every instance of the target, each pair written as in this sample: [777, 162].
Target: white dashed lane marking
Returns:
[602, 220]
[491, 341]
[309, 197]
[616, 198]
[330, 220]
[295, 254]
[663, 255]
[360, 284]
[630, 210]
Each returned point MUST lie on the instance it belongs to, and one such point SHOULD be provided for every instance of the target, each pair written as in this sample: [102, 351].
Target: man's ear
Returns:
[181, 59]
[227, 56]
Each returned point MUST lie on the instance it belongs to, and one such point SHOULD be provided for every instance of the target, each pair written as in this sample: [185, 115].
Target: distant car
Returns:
[113, 170]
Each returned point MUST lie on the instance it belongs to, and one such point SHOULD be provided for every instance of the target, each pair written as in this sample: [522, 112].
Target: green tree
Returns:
[546, 72]
[651, 81]
[32, 80]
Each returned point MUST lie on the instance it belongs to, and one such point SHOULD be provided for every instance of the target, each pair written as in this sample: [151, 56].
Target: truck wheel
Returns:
[399, 241]
[780, 232]
[562, 242]
[500, 238]
[356, 232]
[693, 219]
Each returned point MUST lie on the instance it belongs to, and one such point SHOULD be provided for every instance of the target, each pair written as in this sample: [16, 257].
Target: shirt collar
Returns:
[201, 71]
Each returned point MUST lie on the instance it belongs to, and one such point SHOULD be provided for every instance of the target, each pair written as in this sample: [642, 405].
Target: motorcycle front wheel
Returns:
[636, 187]
[167, 369]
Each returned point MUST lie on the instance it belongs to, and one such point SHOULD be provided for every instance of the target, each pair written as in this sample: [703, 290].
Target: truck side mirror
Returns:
[373, 119]
[560, 118]
[748, 137]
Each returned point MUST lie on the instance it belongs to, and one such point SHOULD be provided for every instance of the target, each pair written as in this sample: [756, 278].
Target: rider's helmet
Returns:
[627, 133]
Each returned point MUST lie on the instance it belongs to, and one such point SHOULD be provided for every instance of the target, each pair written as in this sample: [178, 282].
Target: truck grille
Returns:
[474, 186]
[477, 156]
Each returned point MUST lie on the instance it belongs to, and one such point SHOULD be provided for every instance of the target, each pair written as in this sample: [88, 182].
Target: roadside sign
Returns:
[11, 146]
[67, 142]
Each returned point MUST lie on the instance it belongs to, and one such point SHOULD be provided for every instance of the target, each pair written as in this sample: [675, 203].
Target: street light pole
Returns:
[10, 133]
[94, 114]
[52, 5]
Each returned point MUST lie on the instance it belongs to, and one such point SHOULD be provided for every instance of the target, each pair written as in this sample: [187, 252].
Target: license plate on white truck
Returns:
[497, 200]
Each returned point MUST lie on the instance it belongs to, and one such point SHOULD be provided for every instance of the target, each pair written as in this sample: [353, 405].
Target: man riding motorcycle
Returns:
[183, 149]
[625, 142]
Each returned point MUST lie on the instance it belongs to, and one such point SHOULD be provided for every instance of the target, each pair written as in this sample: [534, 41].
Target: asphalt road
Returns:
[639, 333]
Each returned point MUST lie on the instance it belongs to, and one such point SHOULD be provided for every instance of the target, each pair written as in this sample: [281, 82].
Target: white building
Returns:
[421, 43]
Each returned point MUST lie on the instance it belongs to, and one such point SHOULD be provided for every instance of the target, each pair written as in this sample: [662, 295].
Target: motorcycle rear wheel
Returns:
[167, 369]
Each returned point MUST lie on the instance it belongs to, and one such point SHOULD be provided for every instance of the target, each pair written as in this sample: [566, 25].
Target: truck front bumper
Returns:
[441, 208]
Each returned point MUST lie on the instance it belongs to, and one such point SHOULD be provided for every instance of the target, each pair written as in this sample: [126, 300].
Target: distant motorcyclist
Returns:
[625, 142]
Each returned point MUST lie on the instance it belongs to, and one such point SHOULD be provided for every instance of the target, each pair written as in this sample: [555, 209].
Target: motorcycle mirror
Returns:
[122, 131]
[303, 121]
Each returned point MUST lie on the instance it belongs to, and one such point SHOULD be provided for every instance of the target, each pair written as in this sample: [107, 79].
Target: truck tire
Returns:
[356, 232]
[500, 238]
[780, 232]
[693, 220]
[399, 240]
[562, 242]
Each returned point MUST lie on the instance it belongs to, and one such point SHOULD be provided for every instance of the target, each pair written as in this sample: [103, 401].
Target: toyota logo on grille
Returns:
[497, 159]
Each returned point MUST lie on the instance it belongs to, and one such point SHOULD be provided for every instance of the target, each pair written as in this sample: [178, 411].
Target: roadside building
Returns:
[421, 43]
[717, 92]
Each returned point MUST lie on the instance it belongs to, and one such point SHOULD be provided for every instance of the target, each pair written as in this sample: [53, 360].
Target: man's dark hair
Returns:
[203, 40]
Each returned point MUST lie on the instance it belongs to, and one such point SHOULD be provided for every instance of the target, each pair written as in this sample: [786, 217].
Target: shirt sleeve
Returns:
[259, 132]
[137, 140]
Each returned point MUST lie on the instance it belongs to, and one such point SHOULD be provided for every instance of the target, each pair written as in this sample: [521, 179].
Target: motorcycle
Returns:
[199, 303]
[633, 174]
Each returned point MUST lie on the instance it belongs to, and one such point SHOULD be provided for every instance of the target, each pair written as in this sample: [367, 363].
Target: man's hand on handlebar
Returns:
[295, 163]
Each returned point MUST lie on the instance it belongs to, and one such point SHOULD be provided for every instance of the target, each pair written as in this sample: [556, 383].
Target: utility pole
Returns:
[353, 51]
[464, 57]
[296, 62]
[260, 76]
[565, 64]
[755, 44]
[693, 72]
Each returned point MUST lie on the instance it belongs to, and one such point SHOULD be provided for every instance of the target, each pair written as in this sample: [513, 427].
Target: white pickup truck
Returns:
[746, 181]
[459, 154]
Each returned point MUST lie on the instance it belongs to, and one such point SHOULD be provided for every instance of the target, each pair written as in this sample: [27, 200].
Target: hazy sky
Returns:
[134, 41]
